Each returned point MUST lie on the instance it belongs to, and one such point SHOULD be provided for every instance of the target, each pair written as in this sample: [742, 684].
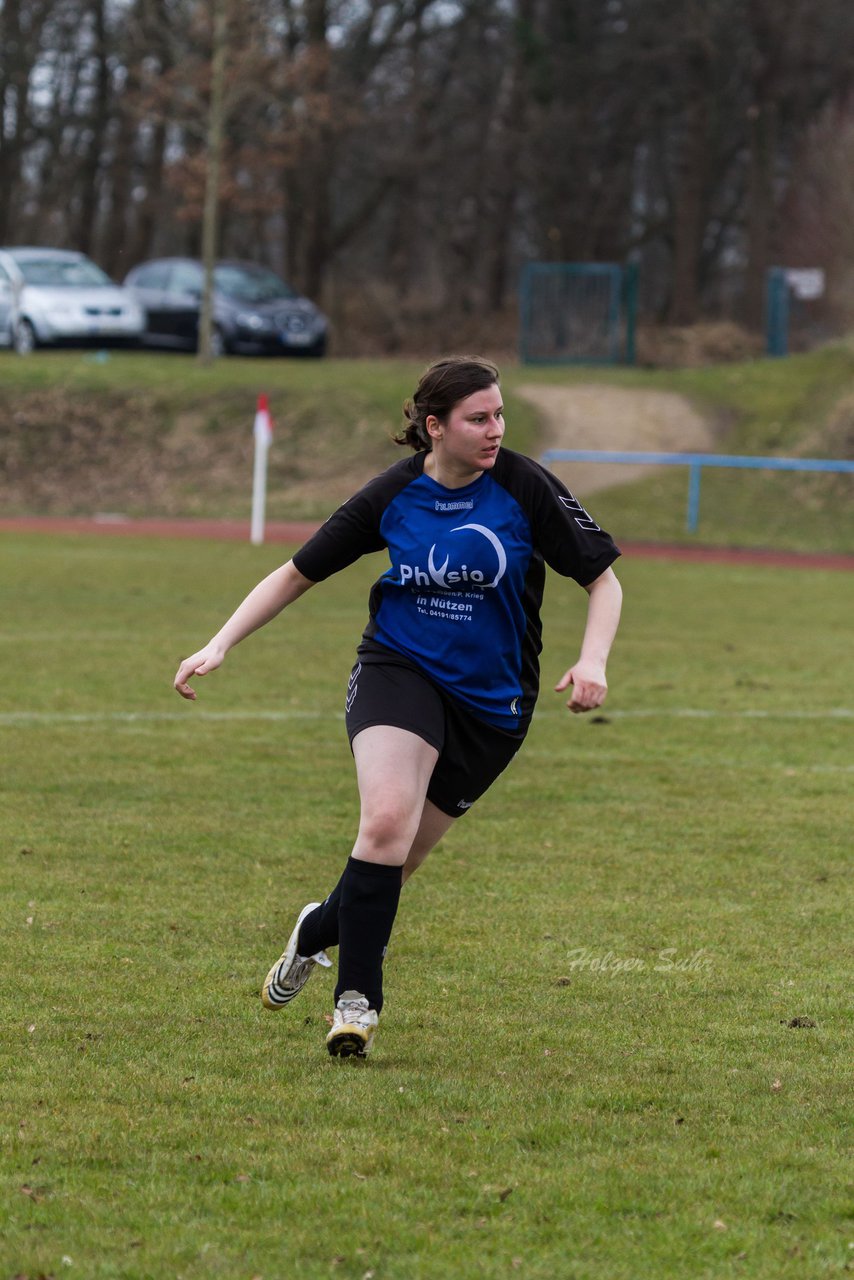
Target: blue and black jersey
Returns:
[462, 595]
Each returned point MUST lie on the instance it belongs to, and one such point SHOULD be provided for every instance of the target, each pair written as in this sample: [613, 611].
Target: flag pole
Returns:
[263, 433]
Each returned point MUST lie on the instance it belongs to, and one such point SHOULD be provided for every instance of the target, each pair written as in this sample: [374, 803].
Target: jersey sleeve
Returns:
[354, 529]
[570, 540]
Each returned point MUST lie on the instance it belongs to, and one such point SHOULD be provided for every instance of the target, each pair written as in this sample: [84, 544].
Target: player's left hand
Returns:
[589, 686]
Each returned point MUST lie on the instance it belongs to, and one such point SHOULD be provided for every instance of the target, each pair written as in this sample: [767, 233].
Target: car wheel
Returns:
[24, 338]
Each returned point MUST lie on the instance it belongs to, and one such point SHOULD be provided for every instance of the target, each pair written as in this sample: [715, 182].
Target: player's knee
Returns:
[385, 834]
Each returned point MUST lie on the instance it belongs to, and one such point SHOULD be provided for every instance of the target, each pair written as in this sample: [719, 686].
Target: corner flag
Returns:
[263, 432]
[263, 422]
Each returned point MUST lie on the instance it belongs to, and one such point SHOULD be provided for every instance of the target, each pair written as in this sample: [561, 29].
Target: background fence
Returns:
[577, 313]
[695, 463]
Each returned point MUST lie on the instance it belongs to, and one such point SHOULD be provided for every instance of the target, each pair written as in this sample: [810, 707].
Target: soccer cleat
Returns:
[291, 971]
[353, 1027]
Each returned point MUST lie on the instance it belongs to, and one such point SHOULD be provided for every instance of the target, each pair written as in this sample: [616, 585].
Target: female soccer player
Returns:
[447, 671]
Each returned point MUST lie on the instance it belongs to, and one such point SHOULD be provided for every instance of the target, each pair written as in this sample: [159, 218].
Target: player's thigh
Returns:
[393, 769]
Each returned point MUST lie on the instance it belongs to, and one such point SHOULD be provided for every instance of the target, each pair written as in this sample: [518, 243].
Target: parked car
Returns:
[254, 312]
[57, 296]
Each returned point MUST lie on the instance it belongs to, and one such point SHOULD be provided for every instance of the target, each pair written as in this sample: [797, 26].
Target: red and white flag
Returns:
[263, 422]
[263, 439]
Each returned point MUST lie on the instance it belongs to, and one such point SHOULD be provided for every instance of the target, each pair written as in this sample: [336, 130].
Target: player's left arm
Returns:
[587, 676]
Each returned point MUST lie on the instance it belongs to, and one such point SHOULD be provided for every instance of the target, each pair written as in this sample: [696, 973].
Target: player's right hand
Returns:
[207, 659]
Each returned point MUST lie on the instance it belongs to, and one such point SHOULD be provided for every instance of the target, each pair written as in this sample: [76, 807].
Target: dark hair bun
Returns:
[442, 386]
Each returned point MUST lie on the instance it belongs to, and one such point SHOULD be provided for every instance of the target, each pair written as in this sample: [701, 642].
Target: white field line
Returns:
[20, 719]
[712, 713]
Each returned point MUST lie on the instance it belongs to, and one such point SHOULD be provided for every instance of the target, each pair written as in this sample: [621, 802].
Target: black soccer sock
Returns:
[370, 893]
[319, 929]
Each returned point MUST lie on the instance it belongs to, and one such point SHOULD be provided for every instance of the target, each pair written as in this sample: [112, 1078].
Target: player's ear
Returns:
[434, 427]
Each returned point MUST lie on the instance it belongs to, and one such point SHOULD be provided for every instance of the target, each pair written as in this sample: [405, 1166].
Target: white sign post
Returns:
[263, 440]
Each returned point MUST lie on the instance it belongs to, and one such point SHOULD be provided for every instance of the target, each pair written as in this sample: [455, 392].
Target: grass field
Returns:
[586, 1068]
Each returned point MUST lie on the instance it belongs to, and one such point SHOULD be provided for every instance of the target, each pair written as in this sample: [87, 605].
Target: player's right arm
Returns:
[264, 602]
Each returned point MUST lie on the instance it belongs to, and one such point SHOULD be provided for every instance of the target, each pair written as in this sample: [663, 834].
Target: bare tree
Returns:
[406, 156]
[210, 216]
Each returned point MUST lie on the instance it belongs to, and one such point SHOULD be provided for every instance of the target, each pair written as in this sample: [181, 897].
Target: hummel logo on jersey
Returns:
[583, 519]
[473, 562]
[468, 505]
[353, 685]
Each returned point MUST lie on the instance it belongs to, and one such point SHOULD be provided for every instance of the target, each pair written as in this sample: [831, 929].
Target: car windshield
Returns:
[251, 284]
[62, 272]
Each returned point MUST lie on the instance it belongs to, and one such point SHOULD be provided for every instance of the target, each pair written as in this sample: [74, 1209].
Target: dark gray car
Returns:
[254, 312]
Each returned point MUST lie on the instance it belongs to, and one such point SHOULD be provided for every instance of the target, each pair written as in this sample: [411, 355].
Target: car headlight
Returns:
[251, 320]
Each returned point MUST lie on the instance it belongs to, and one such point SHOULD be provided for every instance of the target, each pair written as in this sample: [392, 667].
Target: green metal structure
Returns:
[577, 313]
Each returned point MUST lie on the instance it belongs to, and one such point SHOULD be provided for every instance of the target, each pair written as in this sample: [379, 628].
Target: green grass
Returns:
[763, 406]
[152, 435]
[149, 434]
[550, 1096]
[801, 406]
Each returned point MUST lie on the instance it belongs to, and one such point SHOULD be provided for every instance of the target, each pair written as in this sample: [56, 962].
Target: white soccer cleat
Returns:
[291, 971]
[353, 1026]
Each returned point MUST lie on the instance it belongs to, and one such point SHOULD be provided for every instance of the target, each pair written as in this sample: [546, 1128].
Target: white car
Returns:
[55, 296]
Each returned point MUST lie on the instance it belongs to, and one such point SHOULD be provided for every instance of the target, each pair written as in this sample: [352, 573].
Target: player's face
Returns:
[470, 438]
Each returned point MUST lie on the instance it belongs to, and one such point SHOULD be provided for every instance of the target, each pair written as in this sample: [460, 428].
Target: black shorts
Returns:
[386, 688]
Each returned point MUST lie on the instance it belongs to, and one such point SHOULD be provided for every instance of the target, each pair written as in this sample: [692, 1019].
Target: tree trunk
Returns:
[760, 208]
[90, 167]
[320, 142]
[210, 216]
[689, 217]
[16, 63]
[293, 224]
[116, 239]
[406, 231]
[513, 125]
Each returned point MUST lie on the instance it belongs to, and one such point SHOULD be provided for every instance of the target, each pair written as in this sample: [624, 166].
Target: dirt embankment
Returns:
[615, 419]
[68, 454]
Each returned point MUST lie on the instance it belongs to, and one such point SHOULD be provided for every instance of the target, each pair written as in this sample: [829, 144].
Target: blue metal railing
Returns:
[695, 463]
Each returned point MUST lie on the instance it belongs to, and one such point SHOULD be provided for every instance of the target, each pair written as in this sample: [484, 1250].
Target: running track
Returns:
[277, 531]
